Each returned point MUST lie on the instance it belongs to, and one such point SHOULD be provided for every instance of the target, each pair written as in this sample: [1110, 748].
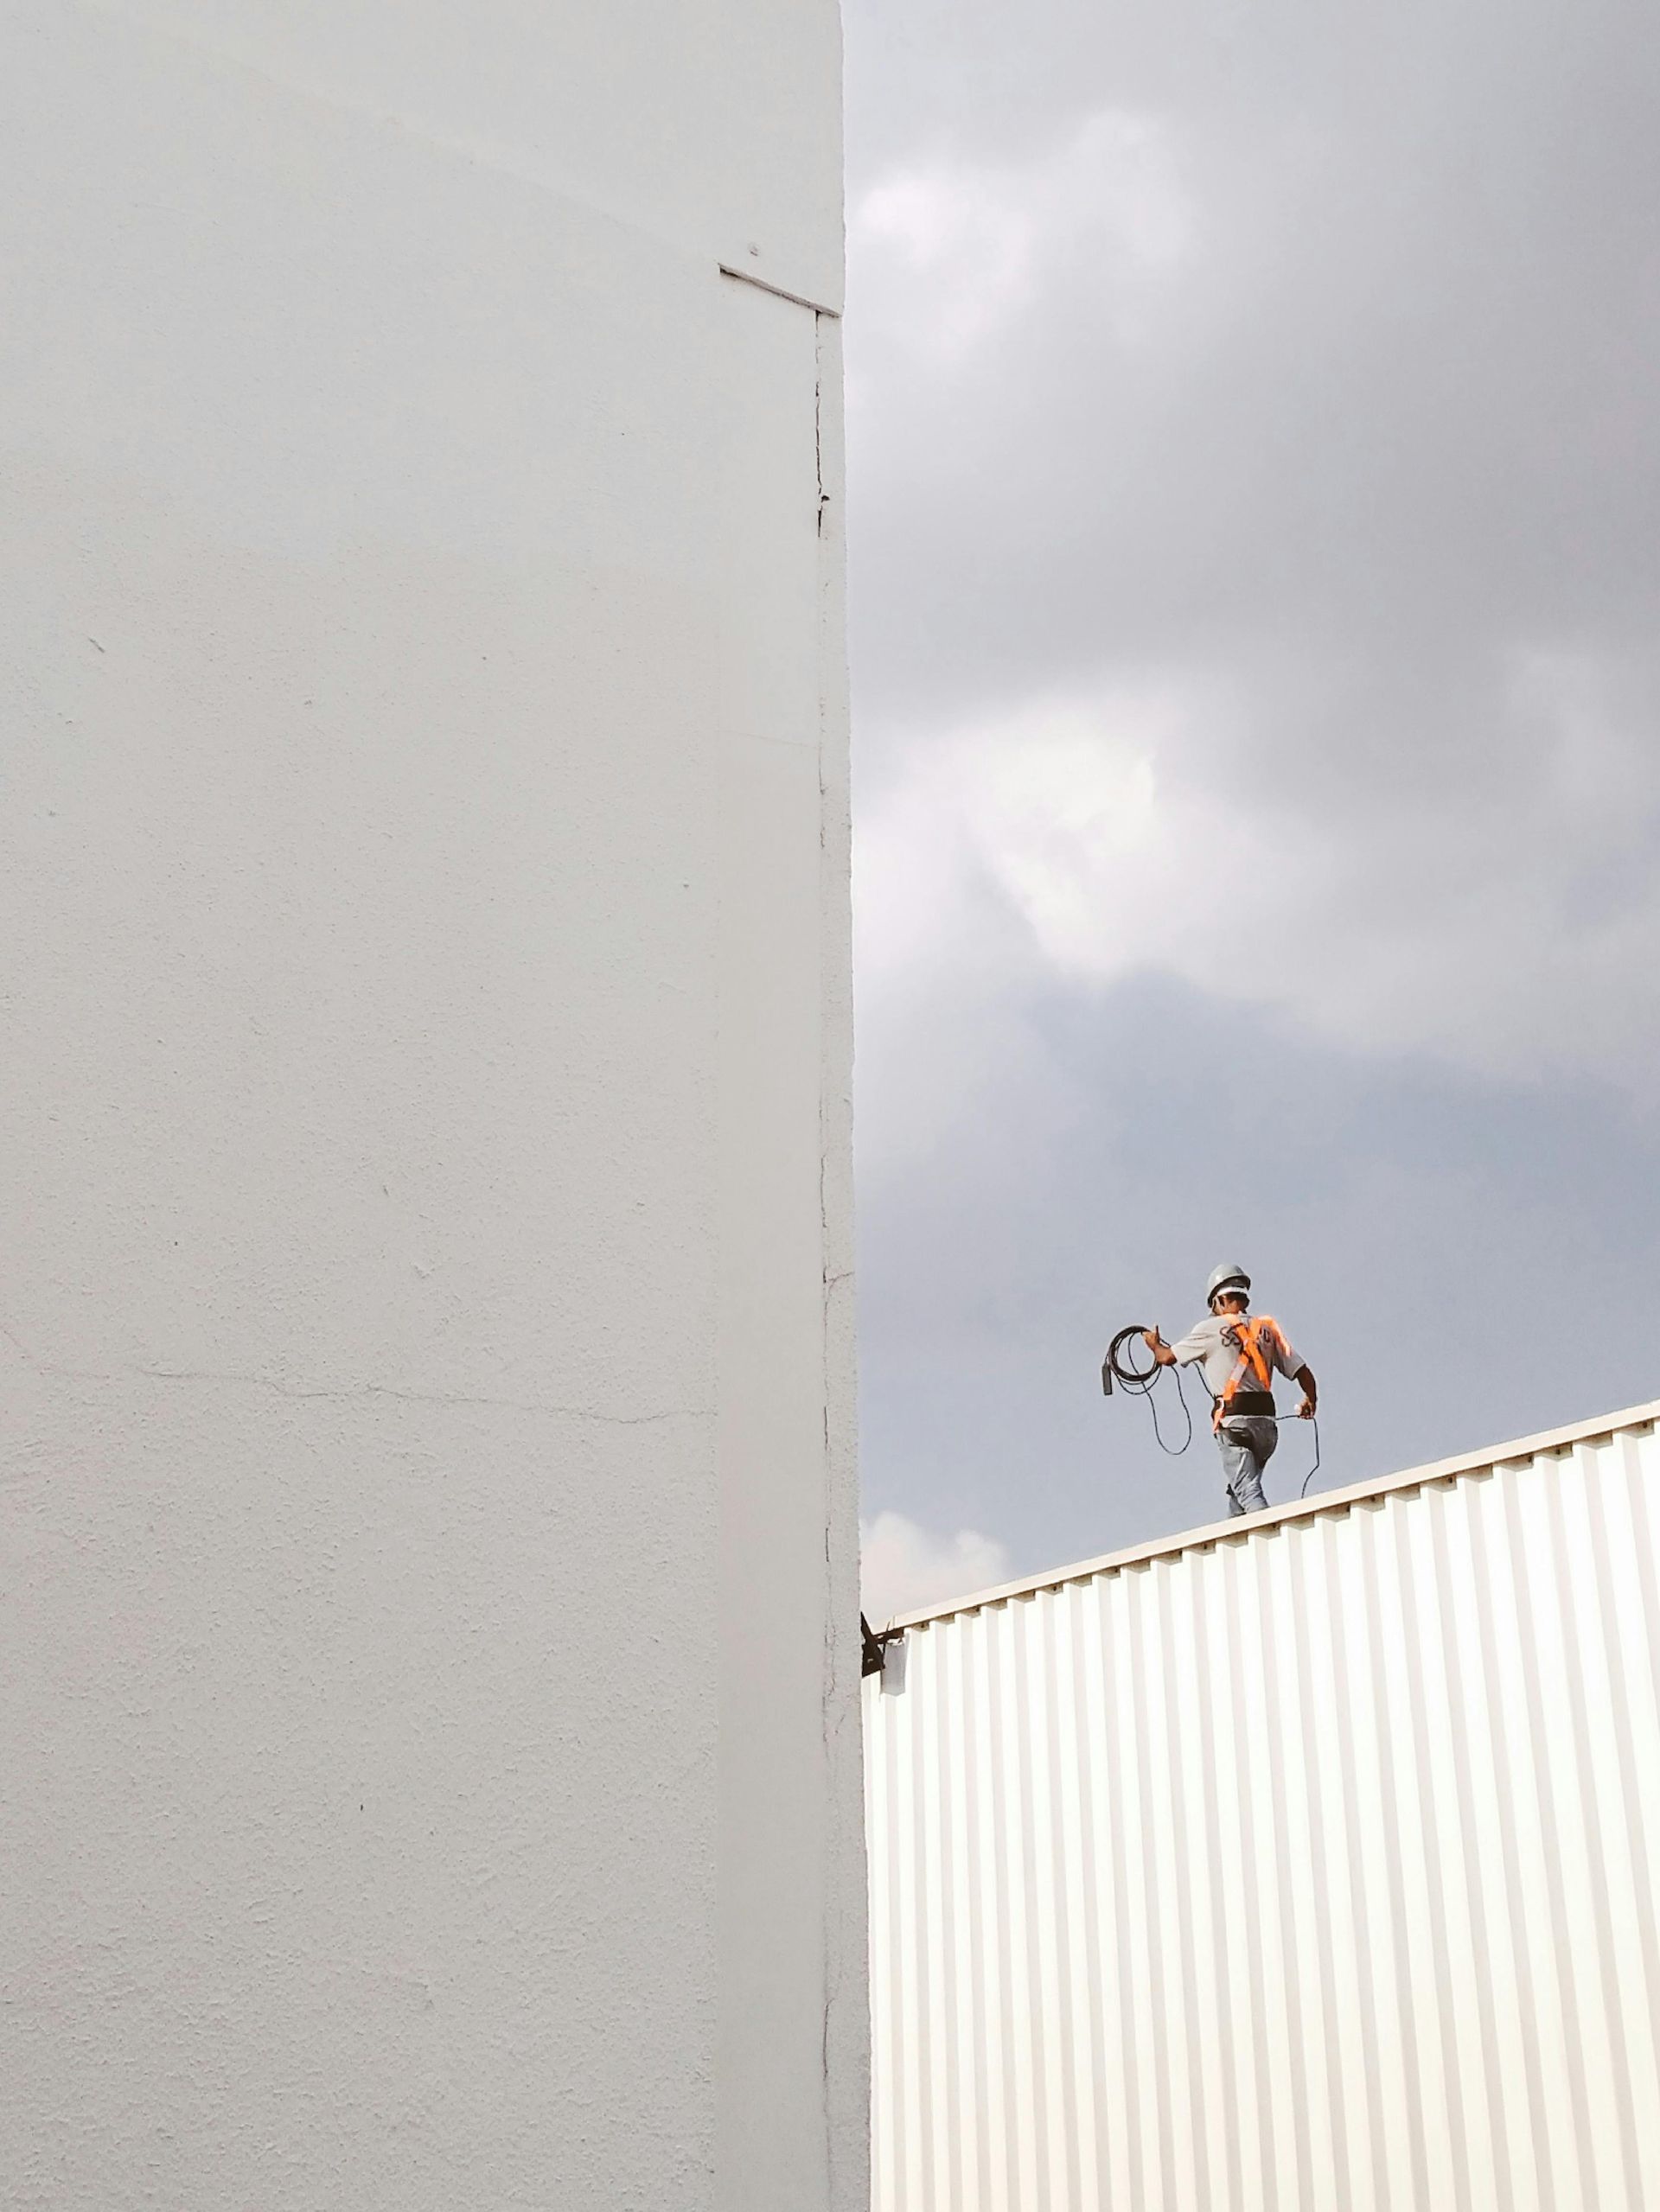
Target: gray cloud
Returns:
[1392, 393]
[1254, 567]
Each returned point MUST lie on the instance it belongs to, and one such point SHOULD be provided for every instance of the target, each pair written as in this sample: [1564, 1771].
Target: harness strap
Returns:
[1249, 1332]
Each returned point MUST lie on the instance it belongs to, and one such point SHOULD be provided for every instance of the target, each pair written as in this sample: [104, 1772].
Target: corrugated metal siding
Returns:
[1311, 1871]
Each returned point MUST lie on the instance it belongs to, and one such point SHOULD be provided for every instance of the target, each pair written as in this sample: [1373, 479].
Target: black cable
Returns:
[1139, 1381]
[1314, 1425]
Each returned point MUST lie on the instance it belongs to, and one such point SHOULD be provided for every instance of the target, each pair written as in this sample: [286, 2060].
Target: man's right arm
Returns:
[1181, 1354]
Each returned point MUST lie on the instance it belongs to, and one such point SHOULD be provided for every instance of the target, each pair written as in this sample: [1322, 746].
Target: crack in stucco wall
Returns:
[346, 1394]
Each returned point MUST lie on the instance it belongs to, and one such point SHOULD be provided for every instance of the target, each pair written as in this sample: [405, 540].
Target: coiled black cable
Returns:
[1139, 1381]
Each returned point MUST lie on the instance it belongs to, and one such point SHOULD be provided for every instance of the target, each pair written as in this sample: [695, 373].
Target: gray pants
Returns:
[1246, 1444]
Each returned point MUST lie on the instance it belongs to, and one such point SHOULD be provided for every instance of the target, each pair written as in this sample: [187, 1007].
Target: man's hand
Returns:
[1162, 1356]
[1306, 1410]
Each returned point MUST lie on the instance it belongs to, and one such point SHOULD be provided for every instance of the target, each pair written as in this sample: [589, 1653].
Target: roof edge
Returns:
[1322, 1502]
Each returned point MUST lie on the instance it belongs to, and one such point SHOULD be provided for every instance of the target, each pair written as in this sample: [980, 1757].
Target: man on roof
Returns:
[1241, 1354]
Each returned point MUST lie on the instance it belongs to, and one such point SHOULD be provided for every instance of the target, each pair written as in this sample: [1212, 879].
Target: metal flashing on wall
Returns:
[1547, 1441]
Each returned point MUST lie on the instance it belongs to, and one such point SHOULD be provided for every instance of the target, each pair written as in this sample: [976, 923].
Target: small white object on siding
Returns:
[1302, 1863]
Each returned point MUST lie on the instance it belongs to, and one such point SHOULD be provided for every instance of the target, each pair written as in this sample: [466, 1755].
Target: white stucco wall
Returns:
[427, 1702]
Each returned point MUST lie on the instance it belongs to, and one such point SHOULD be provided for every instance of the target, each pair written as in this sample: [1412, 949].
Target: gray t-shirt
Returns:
[1214, 1341]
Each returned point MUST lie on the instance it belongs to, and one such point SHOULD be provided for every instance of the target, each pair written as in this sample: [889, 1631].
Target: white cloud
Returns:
[947, 251]
[1498, 922]
[905, 1566]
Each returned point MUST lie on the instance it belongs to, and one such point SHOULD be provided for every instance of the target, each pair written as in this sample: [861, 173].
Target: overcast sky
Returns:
[1254, 556]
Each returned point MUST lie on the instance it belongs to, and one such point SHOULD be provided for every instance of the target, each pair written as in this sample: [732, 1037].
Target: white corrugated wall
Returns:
[1310, 1868]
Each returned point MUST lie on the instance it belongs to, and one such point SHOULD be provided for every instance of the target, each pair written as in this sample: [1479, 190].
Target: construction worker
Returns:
[1241, 1356]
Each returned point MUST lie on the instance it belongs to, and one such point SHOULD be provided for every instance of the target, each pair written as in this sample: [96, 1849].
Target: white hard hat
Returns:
[1226, 1279]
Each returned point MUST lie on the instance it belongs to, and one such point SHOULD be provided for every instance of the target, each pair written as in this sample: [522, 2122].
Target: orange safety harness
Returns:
[1255, 1335]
